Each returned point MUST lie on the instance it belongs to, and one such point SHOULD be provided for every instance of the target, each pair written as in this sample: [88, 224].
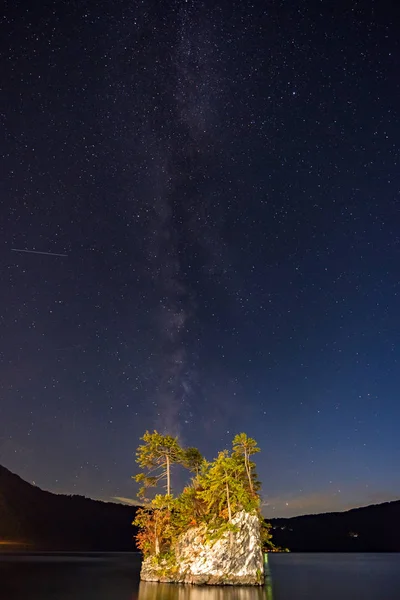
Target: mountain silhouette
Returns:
[42, 520]
[374, 528]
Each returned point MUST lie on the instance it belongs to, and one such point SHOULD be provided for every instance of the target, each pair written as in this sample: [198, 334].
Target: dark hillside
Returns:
[373, 528]
[49, 521]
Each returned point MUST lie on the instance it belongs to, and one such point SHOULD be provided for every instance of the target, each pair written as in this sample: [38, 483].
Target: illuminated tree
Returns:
[155, 527]
[156, 456]
[222, 487]
[192, 460]
[246, 446]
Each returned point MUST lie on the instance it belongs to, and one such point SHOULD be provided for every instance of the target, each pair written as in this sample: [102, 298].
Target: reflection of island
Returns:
[175, 591]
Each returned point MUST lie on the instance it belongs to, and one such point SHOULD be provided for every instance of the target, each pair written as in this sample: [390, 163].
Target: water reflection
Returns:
[116, 577]
[172, 591]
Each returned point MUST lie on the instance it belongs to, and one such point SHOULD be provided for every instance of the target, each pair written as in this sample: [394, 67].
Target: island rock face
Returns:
[231, 560]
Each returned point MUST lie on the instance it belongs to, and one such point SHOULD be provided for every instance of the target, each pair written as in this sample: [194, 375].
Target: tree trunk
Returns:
[168, 477]
[156, 540]
[228, 500]
[246, 462]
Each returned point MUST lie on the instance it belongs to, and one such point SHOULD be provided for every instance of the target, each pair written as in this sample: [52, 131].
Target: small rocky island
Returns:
[213, 532]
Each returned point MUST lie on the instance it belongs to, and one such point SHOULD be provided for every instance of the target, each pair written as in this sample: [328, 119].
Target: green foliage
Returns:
[224, 488]
[244, 446]
[190, 510]
[193, 460]
[156, 456]
[167, 564]
[218, 490]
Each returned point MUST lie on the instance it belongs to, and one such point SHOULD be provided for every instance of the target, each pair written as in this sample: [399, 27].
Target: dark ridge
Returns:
[40, 520]
[374, 528]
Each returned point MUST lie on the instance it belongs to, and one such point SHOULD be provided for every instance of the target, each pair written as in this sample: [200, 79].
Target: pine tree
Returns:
[155, 526]
[156, 456]
[246, 446]
[223, 491]
[192, 460]
[222, 488]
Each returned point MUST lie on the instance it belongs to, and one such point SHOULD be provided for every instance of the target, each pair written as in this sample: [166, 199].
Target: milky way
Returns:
[175, 161]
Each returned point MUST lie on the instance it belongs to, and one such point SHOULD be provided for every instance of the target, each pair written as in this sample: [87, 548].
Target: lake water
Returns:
[116, 577]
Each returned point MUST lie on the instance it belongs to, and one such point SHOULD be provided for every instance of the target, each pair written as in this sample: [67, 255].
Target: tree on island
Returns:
[215, 493]
[223, 491]
[156, 456]
[246, 446]
[192, 460]
[154, 524]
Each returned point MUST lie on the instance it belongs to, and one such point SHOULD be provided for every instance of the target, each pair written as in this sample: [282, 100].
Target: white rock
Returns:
[231, 560]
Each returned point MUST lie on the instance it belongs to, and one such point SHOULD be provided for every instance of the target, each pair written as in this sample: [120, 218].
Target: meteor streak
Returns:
[37, 252]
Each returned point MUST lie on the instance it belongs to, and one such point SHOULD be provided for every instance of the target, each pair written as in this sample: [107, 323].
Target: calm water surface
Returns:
[116, 577]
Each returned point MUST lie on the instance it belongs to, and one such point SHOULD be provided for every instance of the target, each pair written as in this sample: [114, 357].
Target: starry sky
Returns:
[209, 193]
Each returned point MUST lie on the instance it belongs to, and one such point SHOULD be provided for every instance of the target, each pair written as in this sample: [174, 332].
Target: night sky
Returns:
[220, 180]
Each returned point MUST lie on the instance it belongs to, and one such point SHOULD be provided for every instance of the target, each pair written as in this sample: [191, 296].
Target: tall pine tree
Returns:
[246, 446]
[156, 456]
